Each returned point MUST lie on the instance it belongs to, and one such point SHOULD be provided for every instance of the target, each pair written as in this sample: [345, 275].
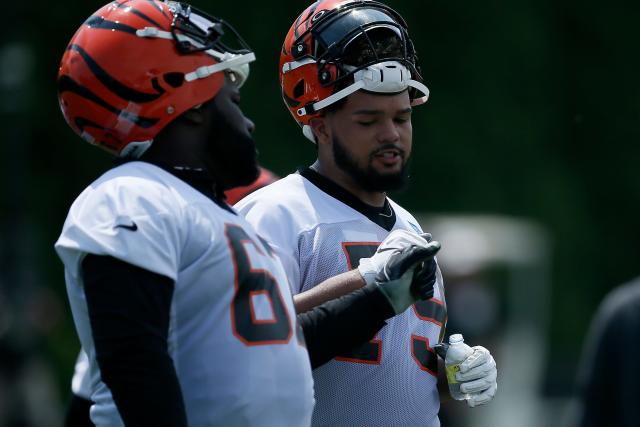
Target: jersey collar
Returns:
[199, 179]
[385, 216]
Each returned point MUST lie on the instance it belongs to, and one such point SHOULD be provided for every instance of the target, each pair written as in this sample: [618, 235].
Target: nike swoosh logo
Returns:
[133, 226]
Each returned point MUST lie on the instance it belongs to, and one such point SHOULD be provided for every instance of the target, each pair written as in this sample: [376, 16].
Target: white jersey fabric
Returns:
[392, 380]
[80, 382]
[233, 331]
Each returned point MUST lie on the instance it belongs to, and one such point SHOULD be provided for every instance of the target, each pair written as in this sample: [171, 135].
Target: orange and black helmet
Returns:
[336, 47]
[135, 65]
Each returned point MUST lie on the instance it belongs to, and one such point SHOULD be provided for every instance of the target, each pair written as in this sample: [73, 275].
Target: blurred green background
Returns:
[533, 114]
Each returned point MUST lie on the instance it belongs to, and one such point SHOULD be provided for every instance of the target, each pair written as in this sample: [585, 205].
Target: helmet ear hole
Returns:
[324, 77]
[298, 90]
[174, 80]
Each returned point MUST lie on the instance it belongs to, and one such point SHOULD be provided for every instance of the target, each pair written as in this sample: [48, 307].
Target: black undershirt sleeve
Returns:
[129, 314]
[345, 323]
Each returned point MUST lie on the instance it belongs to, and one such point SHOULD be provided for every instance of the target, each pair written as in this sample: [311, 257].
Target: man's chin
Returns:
[387, 181]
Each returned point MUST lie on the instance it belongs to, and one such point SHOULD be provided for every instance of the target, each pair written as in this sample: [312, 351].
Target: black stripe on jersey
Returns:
[385, 216]
[67, 84]
[114, 85]
[101, 23]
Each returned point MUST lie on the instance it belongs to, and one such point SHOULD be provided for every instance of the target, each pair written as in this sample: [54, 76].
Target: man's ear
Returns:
[194, 116]
[320, 129]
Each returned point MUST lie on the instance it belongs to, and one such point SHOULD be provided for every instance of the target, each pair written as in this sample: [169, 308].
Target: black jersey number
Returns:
[252, 284]
[429, 311]
[425, 356]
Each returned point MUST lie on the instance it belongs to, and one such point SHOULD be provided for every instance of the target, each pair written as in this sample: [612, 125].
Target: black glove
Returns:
[409, 275]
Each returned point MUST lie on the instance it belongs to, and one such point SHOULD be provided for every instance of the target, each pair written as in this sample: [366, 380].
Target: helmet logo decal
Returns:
[115, 86]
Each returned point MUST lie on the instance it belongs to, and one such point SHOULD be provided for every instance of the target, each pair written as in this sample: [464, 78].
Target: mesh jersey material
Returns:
[232, 333]
[390, 381]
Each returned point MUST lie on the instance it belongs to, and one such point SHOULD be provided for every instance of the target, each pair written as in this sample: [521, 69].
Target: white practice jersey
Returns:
[390, 381]
[80, 384]
[233, 334]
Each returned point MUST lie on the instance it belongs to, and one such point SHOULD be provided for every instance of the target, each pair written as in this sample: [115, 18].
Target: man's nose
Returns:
[389, 132]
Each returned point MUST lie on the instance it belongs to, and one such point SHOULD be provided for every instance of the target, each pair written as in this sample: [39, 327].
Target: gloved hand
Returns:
[478, 377]
[408, 275]
[369, 268]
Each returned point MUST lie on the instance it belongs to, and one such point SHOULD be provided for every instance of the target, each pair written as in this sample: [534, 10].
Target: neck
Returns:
[337, 175]
[175, 147]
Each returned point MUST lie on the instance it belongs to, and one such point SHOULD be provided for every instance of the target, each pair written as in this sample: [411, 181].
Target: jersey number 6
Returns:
[250, 285]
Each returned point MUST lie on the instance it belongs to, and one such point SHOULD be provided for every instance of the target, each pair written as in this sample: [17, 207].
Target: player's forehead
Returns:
[362, 102]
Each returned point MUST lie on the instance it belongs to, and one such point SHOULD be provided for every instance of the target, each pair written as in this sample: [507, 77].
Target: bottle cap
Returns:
[455, 339]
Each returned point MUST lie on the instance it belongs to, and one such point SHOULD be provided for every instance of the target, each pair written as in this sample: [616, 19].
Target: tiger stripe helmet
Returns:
[336, 47]
[135, 65]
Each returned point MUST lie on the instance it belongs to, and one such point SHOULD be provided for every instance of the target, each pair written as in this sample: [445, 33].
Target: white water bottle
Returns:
[457, 352]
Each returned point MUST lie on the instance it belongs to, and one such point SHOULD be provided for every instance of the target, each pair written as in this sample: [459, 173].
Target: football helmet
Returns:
[336, 47]
[136, 65]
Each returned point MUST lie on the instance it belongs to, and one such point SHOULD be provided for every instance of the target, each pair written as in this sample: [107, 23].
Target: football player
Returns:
[184, 311]
[350, 78]
[80, 400]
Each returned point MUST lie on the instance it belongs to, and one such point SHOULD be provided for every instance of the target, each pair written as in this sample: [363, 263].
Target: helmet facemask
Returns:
[196, 31]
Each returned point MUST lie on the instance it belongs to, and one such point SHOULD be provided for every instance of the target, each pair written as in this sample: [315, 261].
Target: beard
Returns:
[368, 178]
[231, 154]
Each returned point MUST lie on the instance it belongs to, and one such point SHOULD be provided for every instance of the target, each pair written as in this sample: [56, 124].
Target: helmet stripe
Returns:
[112, 84]
[154, 4]
[67, 84]
[103, 24]
[141, 14]
[81, 122]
